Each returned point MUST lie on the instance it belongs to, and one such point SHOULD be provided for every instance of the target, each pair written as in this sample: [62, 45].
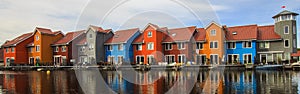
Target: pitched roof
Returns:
[246, 32]
[139, 39]
[296, 54]
[82, 41]
[122, 36]
[99, 29]
[180, 34]
[200, 35]
[70, 36]
[30, 44]
[17, 40]
[285, 12]
[267, 33]
[47, 31]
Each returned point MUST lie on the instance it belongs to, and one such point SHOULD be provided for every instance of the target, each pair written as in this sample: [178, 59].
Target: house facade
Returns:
[15, 51]
[118, 49]
[178, 45]
[148, 48]
[95, 38]
[39, 50]
[241, 44]
[63, 51]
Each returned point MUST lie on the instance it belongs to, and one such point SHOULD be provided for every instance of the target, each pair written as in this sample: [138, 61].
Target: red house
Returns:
[15, 51]
[148, 47]
[178, 45]
[64, 51]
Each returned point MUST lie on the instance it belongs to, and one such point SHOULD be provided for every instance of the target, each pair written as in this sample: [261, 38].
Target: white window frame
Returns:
[90, 36]
[109, 47]
[150, 34]
[149, 46]
[170, 56]
[12, 49]
[149, 61]
[120, 61]
[111, 59]
[238, 56]
[38, 48]
[264, 43]
[247, 57]
[56, 49]
[214, 55]
[231, 44]
[7, 50]
[181, 56]
[213, 34]
[63, 48]
[214, 46]
[139, 47]
[37, 37]
[181, 46]
[288, 30]
[139, 56]
[120, 47]
[168, 46]
[288, 43]
[198, 46]
[247, 44]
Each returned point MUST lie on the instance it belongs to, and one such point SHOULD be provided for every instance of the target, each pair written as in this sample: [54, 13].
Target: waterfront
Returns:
[227, 82]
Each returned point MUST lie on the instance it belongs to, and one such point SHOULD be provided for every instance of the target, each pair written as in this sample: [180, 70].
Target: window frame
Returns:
[120, 47]
[37, 48]
[151, 45]
[229, 44]
[213, 34]
[288, 29]
[199, 46]
[181, 46]
[288, 41]
[246, 45]
[168, 46]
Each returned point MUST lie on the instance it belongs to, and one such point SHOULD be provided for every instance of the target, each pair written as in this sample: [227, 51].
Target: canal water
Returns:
[152, 82]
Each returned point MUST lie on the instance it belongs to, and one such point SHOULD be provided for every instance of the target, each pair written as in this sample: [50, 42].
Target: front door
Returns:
[263, 58]
[31, 60]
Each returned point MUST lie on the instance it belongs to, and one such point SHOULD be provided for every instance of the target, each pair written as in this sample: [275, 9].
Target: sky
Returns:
[18, 17]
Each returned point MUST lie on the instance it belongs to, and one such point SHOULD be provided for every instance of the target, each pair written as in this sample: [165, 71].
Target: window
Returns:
[120, 47]
[213, 32]
[201, 59]
[150, 46]
[110, 59]
[214, 59]
[149, 34]
[170, 58]
[286, 43]
[139, 47]
[37, 48]
[231, 45]
[213, 44]
[37, 38]
[247, 44]
[56, 49]
[168, 46]
[12, 49]
[140, 59]
[120, 59]
[181, 58]
[294, 29]
[7, 50]
[109, 47]
[294, 43]
[233, 58]
[82, 48]
[247, 58]
[264, 44]
[12, 60]
[284, 17]
[64, 59]
[37, 59]
[63, 48]
[286, 29]
[150, 59]
[91, 46]
[181, 45]
[199, 46]
[30, 49]
[91, 35]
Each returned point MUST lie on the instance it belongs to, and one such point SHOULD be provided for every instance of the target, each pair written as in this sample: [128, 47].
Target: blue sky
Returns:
[19, 17]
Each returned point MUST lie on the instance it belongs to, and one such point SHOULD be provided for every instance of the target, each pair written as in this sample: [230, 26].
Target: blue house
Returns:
[241, 44]
[118, 49]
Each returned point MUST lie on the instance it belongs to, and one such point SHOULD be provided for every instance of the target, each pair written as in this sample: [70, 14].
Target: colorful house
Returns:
[15, 51]
[241, 44]
[1, 55]
[178, 45]
[148, 47]
[81, 51]
[118, 49]
[63, 51]
[40, 50]
[212, 48]
[200, 40]
[95, 38]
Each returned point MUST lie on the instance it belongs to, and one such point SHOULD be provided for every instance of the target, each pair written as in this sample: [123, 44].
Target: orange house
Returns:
[40, 50]
[147, 47]
[210, 46]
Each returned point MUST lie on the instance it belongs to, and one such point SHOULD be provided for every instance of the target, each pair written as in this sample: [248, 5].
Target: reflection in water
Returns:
[207, 82]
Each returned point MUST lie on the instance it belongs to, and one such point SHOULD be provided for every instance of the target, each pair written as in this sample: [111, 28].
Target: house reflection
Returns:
[240, 82]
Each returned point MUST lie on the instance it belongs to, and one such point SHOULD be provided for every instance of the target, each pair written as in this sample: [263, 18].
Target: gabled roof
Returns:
[99, 29]
[153, 26]
[70, 36]
[139, 39]
[180, 34]
[211, 23]
[285, 12]
[122, 36]
[46, 31]
[267, 33]
[17, 40]
[200, 35]
[246, 32]
[82, 41]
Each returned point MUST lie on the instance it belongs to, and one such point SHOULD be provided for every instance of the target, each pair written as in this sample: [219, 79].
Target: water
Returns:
[154, 82]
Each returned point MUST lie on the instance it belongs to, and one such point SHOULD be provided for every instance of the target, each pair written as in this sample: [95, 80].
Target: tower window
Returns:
[286, 29]
[286, 43]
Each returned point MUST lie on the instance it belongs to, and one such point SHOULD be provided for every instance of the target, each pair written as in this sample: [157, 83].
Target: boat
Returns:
[269, 67]
[296, 66]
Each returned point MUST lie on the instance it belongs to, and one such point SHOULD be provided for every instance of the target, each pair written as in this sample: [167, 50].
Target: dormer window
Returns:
[234, 33]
